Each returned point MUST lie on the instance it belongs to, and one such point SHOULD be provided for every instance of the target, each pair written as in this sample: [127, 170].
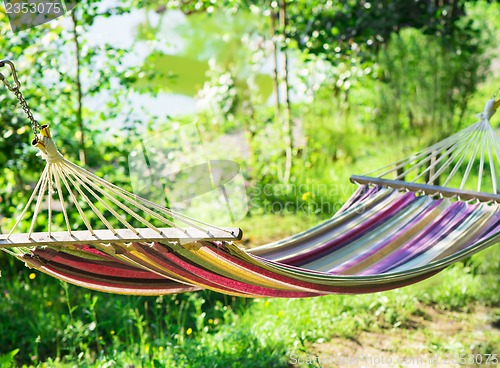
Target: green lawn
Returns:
[49, 323]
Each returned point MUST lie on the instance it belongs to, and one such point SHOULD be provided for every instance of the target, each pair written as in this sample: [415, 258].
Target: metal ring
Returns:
[14, 75]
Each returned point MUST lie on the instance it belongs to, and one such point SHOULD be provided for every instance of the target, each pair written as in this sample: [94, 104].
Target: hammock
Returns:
[398, 228]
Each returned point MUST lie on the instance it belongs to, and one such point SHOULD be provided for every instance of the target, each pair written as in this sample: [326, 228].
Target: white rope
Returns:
[414, 157]
[49, 194]
[85, 187]
[477, 143]
[471, 141]
[75, 201]
[61, 198]
[121, 194]
[492, 163]
[122, 206]
[433, 164]
[454, 155]
[37, 206]
[30, 200]
[481, 164]
[474, 137]
[430, 154]
[469, 166]
[124, 195]
[105, 204]
[91, 205]
[116, 190]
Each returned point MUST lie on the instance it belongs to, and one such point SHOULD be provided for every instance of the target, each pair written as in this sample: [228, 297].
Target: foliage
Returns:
[356, 29]
[352, 32]
[357, 83]
[426, 86]
[51, 72]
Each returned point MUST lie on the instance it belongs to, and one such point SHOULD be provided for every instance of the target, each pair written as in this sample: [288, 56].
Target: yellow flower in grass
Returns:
[32, 276]
[189, 331]
[306, 196]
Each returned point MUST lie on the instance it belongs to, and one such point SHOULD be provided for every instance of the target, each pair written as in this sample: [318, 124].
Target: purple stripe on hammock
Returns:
[349, 236]
[492, 227]
[277, 276]
[358, 289]
[359, 196]
[381, 245]
[440, 229]
[324, 231]
[330, 289]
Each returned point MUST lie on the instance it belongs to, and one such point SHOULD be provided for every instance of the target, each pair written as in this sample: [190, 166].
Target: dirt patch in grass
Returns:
[436, 339]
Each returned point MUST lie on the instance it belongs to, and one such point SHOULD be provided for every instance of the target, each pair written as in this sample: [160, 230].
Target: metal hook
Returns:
[14, 75]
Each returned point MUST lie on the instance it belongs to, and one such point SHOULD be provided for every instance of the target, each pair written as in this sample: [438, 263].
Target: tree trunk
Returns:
[276, 89]
[287, 126]
[79, 96]
[433, 169]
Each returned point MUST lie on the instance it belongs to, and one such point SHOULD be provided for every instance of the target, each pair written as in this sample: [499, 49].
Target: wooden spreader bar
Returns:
[427, 189]
[122, 236]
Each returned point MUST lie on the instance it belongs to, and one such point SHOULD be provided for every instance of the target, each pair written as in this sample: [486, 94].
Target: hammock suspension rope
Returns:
[88, 192]
[451, 160]
[401, 226]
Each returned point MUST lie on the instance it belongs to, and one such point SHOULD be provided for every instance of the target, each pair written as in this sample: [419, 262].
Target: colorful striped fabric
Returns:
[382, 239]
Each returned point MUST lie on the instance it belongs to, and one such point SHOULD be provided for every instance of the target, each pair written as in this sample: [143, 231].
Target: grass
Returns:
[433, 335]
[46, 323]
[267, 228]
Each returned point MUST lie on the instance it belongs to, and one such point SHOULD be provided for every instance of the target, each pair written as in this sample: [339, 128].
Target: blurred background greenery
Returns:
[310, 91]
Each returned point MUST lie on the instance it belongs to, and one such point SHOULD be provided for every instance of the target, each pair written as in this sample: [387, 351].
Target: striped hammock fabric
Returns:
[391, 233]
[383, 239]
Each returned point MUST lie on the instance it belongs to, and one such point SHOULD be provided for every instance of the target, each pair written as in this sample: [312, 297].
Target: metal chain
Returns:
[16, 89]
[35, 126]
